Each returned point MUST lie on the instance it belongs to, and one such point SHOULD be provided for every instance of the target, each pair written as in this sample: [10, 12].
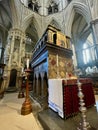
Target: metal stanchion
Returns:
[83, 125]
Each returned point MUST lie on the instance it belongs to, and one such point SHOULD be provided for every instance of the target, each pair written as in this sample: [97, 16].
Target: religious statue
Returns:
[7, 51]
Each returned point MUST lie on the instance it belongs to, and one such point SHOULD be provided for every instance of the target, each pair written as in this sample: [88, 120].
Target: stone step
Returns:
[50, 120]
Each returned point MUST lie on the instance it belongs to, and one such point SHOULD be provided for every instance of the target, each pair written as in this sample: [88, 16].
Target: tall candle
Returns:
[22, 70]
[27, 63]
[57, 59]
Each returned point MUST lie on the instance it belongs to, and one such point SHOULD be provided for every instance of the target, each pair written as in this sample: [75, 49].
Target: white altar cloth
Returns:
[55, 98]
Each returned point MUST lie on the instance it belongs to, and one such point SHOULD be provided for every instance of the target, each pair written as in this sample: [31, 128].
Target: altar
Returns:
[63, 95]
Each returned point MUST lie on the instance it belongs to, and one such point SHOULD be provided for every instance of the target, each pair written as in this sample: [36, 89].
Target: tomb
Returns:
[51, 59]
[54, 83]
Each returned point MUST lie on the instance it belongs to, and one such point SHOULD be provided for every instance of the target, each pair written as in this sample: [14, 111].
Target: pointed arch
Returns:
[79, 8]
[54, 23]
[15, 17]
[28, 20]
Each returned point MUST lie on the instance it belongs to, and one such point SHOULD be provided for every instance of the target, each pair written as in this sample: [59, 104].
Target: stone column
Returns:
[12, 40]
[16, 34]
[60, 6]
[42, 84]
[21, 51]
[43, 11]
[21, 41]
[79, 52]
[33, 6]
[94, 25]
[12, 62]
[74, 55]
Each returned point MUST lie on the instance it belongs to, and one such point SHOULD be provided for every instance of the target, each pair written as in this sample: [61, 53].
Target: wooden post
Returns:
[21, 91]
[27, 106]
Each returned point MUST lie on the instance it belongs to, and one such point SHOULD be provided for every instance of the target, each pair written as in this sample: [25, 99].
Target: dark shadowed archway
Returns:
[12, 81]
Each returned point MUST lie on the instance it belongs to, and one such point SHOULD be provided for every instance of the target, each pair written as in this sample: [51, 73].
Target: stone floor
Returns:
[11, 118]
[51, 121]
[10, 114]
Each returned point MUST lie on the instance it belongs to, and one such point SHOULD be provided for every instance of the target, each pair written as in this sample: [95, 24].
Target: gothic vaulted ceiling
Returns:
[80, 29]
[5, 14]
[5, 18]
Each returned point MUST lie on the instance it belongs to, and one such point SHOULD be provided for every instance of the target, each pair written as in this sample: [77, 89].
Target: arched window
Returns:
[89, 51]
[86, 53]
[33, 5]
[53, 8]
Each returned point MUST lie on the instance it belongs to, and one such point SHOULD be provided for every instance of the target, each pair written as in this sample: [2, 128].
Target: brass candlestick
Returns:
[27, 106]
[83, 125]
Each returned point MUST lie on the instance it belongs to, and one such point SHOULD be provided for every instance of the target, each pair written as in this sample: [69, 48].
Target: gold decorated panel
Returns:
[59, 66]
